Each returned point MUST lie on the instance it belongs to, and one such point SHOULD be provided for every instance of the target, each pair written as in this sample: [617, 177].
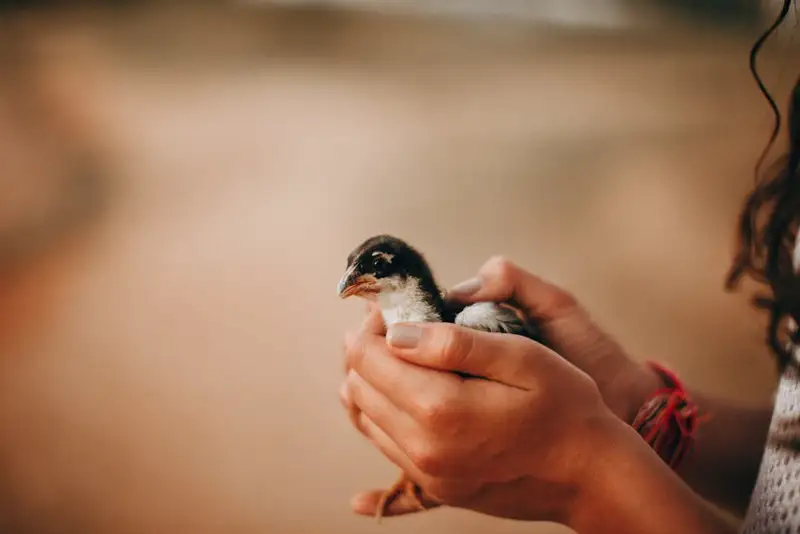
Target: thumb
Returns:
[452, 348]
[567, 328]
[501, 280]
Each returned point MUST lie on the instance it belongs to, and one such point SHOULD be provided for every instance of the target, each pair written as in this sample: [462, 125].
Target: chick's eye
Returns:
[380, 262]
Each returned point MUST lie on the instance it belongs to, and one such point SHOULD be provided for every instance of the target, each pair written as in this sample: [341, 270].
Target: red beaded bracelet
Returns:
[668, 419]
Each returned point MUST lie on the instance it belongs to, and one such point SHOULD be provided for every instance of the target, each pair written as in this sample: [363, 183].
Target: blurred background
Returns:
[180, 185]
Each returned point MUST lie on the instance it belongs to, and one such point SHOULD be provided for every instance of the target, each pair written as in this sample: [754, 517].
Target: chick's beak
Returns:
[354, 283]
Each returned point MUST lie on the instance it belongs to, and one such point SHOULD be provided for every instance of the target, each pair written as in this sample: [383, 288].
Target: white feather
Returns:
[405, 302]
[490, 317]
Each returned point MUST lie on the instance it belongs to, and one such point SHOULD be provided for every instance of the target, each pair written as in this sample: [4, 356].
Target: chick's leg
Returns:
[403, 486]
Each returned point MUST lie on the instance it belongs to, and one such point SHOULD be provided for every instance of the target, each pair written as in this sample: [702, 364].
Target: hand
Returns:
[568, 329]
[520, 441]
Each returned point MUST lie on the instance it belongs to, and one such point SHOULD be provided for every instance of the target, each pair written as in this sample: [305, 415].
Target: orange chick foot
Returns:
[403, 486]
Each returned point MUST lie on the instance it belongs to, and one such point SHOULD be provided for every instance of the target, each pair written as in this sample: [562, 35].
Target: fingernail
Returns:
[343, 393]
[467, 288]
[404, 336]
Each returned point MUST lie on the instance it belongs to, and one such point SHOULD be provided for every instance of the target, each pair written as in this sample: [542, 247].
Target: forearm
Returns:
[724, 462]
[632, 491]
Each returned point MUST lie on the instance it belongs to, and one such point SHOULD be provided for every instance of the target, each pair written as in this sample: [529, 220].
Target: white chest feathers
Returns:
[406, 303]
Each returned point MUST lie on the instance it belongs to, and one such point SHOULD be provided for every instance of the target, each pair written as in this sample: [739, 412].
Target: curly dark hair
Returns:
[769, 222]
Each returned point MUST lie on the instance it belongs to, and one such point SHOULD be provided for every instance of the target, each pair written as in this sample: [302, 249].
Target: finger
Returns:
[407, 386]
[350, 345]
[353, 411]
[379, 411]
[366, 503]
[389, 448]
[511, 360]
[500, 280]
[371, 324]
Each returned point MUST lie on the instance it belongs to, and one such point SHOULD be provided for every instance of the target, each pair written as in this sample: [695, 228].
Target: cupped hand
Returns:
[567, 328]
[518, 441]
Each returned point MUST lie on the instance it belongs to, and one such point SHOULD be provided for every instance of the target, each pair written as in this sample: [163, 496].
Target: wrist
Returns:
[605, 434]
[628, 489]
[599, 495]
[637, 382]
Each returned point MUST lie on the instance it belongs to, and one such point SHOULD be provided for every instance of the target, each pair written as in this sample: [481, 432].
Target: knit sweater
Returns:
[775, 504]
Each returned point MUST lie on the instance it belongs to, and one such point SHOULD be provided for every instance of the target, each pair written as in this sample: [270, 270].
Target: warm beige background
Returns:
[173, 367]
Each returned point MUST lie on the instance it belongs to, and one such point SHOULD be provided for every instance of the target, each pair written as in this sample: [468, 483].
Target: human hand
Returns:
[568, 329]
[519, 441]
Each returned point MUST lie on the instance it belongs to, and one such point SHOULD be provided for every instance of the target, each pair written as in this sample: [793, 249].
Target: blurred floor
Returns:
[175, 366]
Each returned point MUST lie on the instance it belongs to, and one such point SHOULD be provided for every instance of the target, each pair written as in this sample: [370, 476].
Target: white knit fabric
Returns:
[775, 505]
